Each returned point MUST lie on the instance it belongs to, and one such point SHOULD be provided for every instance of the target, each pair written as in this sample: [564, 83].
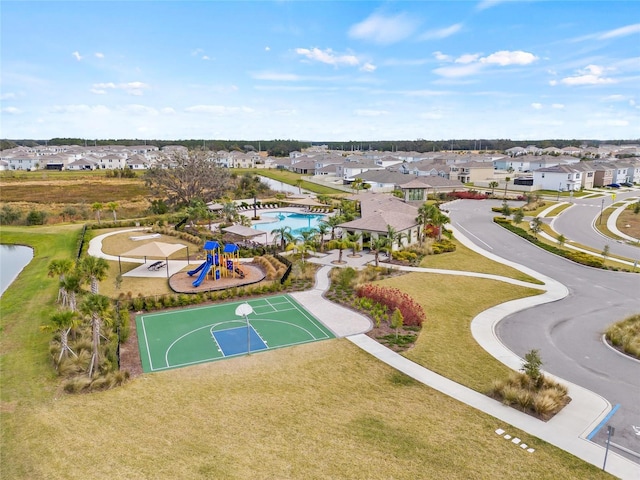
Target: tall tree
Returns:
[62, 322]
[113, 208]
[439, 220]
[71, 284]
[321, 230]
[97, 308]
[378, 245]
[94, 270]
[354, 240]
[185, 176]
[506, 184]
[282, 235]
[60, 268]
[97, 207]
[493, 185]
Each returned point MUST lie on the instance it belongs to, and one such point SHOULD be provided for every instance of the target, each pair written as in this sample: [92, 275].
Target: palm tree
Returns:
[60, 268]
[506, 183]
[97, 309]
[299, 185]
[391, 235]
[113, 206]
[321, 230]
[354, 240]
[94, 270]
[229, 211]
[304, 246]
[424, 215]
[283, 235]
[493, 185]
[340, 244]
[333, 222]
[439, 220]
[399, 238]
[97, 207]
[378, 245]
[357, 184]
[62, 322]
[71, 285]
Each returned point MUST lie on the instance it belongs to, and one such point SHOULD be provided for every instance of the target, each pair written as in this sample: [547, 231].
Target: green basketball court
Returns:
[179, 338]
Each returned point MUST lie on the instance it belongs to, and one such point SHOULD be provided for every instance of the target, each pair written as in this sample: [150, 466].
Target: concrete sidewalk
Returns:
[568, 430]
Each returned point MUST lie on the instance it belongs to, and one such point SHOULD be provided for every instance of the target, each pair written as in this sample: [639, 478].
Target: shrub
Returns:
[393, 298]
[36, 217]
[546, 405]
[443, 246]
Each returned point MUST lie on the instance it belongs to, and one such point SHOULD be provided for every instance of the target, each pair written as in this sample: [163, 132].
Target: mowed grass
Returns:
[322, 410]
[465, 259]
[445, 344]
[319, 411]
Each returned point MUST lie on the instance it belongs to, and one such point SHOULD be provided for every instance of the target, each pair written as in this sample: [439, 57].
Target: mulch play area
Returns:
[183, 283]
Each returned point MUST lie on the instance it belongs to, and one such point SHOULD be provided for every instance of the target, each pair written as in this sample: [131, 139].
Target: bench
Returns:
[156, 265]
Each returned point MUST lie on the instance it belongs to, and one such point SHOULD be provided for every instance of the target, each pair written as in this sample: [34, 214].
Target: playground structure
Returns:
[220, 262]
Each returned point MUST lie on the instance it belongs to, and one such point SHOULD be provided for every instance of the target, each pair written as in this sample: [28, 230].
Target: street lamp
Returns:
[243, 310]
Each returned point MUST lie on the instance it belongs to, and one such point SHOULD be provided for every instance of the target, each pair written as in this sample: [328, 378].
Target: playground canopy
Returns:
[154, 249]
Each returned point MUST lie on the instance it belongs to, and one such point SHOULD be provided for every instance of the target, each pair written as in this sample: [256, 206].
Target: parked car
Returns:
[613, 185]
[627, 184]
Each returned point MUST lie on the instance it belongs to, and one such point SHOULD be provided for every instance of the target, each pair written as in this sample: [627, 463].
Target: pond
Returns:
[13, 258]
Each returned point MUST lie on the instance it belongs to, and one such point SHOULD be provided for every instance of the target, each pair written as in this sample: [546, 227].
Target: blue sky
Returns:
[332, 71]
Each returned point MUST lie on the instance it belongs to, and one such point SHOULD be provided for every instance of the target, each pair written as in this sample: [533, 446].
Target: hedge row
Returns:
[393, 298]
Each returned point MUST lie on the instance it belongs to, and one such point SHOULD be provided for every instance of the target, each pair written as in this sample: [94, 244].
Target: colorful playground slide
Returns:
[203, 269]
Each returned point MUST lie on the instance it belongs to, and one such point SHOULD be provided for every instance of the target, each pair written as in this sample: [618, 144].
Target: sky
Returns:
[320, 71]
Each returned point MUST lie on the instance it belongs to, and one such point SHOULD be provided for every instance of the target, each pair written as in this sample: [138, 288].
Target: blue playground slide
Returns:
[203, 274]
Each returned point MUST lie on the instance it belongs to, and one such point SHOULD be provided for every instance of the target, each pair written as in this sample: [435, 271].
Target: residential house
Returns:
[560, 177]
[588, 173]
[603, 174]
[471, 172]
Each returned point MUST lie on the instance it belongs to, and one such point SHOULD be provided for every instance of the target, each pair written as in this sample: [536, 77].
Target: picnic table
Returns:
[156, 265]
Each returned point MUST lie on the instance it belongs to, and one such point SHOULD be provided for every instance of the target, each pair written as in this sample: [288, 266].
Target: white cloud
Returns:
[277, 77]
[368, 67]
[11, 110]
[536, 106]
[441, 32]
[431, 116]
[484, 4]
[267, 49]
[206, 57]
[7, 96]
[467, 58]
[217, 109]
[77, 55]
[137, 109]
[441, 56]
[620, 32]
[370, 113]
[99, 55]
[472, 63]
[506, 57]
[168, 110]
[327, 56]
[384, 30]
[590, 75]
[557, 106]
[80, 108]
[458, 71]
[132, 88]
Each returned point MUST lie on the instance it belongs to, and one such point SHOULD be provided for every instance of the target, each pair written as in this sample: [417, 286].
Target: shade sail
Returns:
[243, 231]
[154, 249]
[307, 202]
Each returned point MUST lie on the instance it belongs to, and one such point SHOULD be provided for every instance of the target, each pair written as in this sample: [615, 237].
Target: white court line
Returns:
[311, 319]
[211, 331]
[144, 330]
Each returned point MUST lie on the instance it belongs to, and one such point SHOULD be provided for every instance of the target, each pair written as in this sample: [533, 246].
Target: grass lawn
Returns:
[321, 410]
[445, 344]
[291, 178]
[466, 259]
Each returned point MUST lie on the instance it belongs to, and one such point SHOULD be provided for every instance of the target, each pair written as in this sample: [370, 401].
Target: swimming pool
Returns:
[298, 222]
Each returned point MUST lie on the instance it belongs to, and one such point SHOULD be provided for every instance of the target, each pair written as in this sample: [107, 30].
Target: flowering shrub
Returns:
[468, 195]
[393, 298]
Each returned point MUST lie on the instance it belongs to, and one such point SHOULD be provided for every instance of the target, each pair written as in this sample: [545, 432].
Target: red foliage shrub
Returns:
[393, 298]
[468, 195]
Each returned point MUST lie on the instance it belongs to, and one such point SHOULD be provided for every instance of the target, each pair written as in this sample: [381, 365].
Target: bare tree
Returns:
[184, 177]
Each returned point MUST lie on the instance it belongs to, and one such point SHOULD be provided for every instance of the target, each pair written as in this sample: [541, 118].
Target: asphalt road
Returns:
[576, 223]
[568, 333]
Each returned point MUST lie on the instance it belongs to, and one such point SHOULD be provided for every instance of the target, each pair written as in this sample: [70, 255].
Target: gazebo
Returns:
[245, 232]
